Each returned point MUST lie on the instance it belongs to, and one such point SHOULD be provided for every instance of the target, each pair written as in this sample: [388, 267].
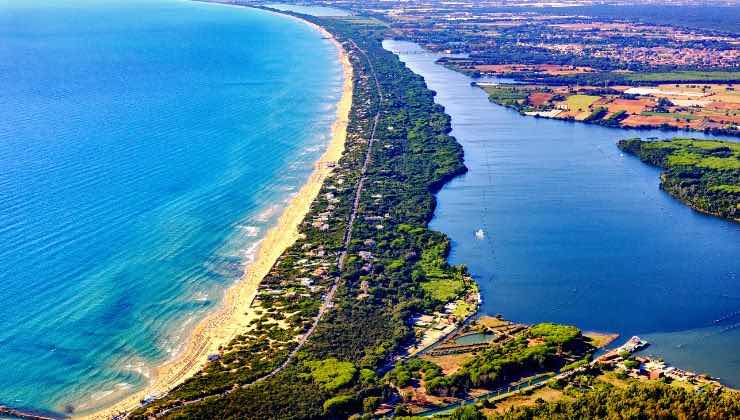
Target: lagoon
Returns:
[575, 232]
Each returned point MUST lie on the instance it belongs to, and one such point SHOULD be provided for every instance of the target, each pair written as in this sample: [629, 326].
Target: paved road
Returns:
[328, 302]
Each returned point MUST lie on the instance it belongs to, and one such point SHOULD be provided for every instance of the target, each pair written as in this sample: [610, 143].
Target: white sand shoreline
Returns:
[233, 315]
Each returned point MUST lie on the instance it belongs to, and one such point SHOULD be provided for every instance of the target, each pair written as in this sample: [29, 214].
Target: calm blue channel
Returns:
[576, 232]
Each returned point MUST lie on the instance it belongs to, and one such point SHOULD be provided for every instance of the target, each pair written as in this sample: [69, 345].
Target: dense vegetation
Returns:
[612, 78]
[717, 18]
[705, 174]
[645, 400]
[511, 96]
[690, 76]
[543, 348]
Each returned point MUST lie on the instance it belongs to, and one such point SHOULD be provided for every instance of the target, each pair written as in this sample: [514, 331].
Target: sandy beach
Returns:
[234, 314]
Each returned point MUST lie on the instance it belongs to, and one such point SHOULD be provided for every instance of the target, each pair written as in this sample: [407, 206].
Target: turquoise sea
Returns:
[145, 147]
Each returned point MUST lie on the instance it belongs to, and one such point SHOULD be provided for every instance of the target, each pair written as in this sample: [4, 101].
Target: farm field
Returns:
[548, 69]
[580, 102]
[695, 106]
[686, 75]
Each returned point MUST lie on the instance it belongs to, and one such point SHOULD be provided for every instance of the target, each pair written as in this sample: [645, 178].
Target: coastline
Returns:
[230, 318]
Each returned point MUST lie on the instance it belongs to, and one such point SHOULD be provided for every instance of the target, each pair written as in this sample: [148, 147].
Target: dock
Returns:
[21, 414]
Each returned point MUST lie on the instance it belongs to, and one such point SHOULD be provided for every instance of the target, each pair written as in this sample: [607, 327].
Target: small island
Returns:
[703, 174]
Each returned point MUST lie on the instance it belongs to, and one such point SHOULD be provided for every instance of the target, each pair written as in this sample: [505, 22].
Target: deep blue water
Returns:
[575, 232]
[145, 147]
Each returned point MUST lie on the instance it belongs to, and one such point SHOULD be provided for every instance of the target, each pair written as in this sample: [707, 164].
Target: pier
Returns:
[28, 415]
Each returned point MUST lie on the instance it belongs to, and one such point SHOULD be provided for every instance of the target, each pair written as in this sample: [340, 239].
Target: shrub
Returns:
[331, 374]
[339, 405]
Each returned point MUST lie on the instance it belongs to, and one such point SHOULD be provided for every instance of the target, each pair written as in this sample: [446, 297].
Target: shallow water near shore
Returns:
[576, 232]
[146, 147]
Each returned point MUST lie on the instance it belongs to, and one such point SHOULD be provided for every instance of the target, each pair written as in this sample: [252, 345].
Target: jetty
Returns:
[21, 414]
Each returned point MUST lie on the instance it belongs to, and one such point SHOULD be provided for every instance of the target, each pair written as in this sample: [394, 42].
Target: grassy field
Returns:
[463, 309]
[505, 95]
[669, 115]
[580, 102]
[443, 289]
[443, 283]
[685, 75]
[526, 399]
[361, 20]
[735, 189]
[699, 153]
[598, 339]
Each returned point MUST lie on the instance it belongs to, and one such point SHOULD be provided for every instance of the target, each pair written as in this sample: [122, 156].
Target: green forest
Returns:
[704, 174]
[639, 400]
[642, 400]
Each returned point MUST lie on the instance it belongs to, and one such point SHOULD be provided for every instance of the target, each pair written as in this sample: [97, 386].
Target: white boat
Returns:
[479, 234]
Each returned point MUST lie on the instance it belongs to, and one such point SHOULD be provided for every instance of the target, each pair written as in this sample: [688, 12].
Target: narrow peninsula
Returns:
[703, 174]
[364, 317]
